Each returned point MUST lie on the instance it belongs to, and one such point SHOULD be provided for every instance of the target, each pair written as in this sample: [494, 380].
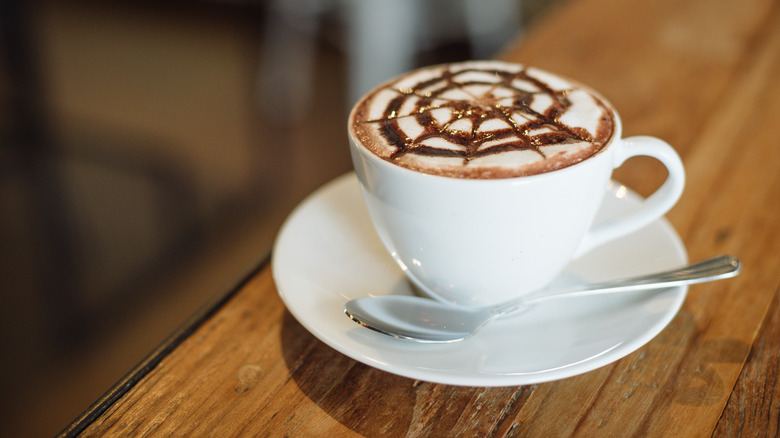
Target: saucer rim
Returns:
[678, 295]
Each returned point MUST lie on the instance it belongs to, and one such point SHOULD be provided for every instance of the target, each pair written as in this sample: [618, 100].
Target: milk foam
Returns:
[482, 119]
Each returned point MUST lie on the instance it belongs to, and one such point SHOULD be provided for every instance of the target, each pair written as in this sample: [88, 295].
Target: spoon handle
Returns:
[710, 269]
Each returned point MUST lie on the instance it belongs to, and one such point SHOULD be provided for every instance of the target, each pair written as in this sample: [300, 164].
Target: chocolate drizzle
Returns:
[501, 99]
[466, 112]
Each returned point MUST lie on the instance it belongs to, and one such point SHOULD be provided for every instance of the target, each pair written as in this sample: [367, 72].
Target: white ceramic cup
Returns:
[483, 241]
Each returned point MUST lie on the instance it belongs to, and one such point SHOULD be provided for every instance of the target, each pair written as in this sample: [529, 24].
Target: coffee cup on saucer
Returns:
[483, 178]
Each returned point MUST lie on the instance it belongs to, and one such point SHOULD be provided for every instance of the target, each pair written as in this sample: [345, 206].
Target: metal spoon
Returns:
[426, 320]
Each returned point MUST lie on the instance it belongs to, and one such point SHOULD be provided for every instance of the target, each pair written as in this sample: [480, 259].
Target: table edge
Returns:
[150, 362]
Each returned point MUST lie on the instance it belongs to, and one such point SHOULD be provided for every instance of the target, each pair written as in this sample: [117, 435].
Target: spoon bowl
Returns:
[426, 320]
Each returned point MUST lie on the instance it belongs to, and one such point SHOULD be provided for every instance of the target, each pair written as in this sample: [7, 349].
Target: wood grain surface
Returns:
[703, 75]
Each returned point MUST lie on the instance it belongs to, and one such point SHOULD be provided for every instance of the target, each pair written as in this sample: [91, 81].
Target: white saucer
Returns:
[327, 253]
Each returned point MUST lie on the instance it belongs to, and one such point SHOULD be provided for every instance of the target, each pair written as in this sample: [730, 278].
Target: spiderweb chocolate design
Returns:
[482, 120]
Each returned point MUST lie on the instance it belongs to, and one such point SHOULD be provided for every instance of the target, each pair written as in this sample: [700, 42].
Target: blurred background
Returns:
[149, 151]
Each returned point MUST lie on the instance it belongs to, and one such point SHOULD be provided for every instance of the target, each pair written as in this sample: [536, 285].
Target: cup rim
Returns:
[363, 150]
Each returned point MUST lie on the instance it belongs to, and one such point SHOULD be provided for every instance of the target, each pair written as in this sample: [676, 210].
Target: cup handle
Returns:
[655, 206]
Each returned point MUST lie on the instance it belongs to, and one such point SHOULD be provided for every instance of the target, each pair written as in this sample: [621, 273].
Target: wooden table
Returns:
[704, 75]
